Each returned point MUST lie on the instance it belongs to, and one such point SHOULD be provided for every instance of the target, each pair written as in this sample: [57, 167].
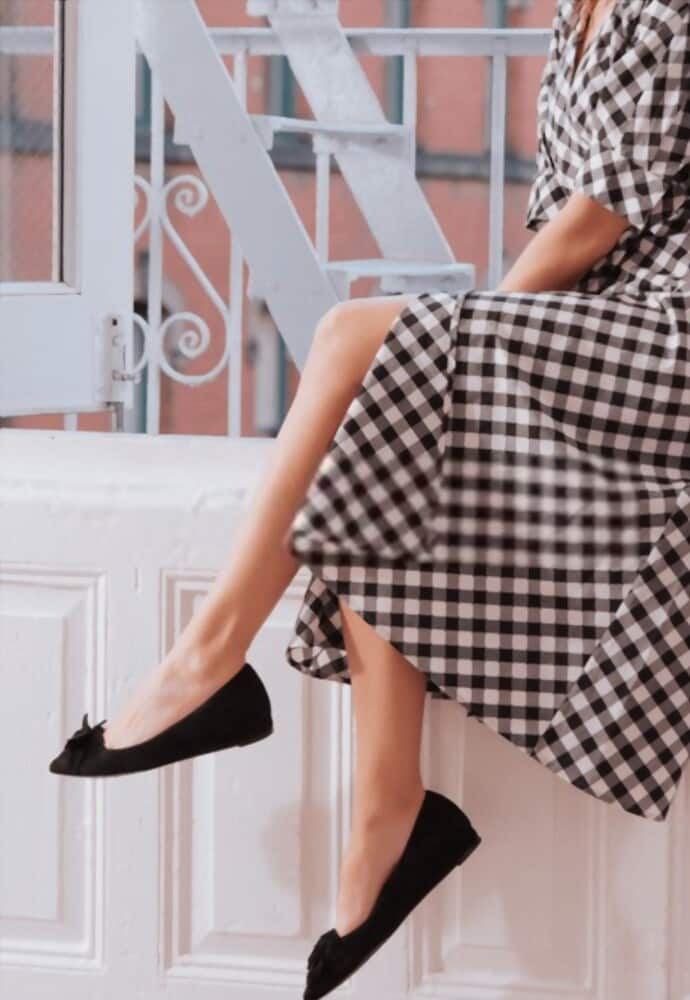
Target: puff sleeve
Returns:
[545, 193]
[639, 121]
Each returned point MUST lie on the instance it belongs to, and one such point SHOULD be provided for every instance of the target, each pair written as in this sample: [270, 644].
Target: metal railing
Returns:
[190, 193]
[496, 44]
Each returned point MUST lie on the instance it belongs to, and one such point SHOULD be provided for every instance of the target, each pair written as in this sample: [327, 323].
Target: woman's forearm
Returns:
[566, 247]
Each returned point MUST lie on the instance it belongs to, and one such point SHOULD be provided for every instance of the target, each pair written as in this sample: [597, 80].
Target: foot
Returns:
[189, 674]
[374, 848]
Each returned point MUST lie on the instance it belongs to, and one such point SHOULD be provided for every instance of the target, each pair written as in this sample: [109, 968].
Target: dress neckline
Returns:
[574, 65]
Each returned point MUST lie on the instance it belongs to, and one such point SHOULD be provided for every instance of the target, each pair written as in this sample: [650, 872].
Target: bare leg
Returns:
[213, 645]
[388, 700]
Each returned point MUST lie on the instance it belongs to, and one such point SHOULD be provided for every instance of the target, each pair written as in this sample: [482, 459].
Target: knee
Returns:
[335, 328]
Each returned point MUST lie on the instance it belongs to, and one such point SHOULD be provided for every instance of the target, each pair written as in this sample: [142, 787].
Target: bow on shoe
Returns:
[322, 951]
[80, 741]
[83, 735]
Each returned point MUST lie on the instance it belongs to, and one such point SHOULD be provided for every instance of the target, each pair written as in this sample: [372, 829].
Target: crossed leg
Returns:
[388, 691]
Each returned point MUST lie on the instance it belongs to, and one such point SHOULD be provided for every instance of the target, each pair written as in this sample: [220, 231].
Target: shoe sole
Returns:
[474, 844]
[140, 770]
[254, 739]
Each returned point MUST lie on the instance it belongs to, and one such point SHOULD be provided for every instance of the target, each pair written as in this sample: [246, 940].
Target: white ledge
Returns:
[87, 467]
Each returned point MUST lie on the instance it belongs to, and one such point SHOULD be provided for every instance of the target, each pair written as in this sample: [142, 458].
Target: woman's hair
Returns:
[580, 8]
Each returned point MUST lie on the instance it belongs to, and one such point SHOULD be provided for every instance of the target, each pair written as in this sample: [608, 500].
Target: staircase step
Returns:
[265, 8]
[402, 275]
[381, 174]
[393, 276]
[331, 136]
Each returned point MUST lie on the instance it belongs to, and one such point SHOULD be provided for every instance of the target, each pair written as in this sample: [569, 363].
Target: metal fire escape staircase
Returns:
[231, 147]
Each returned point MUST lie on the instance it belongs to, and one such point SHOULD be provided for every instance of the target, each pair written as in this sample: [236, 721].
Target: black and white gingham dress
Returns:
[507, 499]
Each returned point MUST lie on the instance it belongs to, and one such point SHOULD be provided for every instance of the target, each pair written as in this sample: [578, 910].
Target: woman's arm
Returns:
[566, 247]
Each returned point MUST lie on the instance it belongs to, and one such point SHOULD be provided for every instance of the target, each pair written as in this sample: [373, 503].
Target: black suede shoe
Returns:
[442, 838]
[237, 714]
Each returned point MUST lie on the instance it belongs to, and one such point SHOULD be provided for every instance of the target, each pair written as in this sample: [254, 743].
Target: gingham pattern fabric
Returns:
[615, 126]
[507, 501]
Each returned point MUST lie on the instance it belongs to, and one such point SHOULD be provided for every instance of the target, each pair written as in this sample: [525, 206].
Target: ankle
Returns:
[381, 808]
[206, 656]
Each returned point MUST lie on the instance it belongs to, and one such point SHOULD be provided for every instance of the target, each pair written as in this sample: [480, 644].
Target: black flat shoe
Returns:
[237, 714]
[442, 838]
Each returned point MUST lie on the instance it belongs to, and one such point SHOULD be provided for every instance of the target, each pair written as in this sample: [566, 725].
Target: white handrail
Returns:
[373, 41]
[497, 44]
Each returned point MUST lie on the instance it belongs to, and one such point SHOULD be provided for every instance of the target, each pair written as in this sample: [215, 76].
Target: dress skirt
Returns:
[507, 502]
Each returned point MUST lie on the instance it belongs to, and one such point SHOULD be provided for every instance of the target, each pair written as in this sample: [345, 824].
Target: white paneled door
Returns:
[211, 879]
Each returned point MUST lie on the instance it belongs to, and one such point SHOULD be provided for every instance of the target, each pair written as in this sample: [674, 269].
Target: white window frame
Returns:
[62, 342]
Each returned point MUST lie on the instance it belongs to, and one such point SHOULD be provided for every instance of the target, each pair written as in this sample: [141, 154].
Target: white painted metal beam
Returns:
[236, 167]
[339, 92]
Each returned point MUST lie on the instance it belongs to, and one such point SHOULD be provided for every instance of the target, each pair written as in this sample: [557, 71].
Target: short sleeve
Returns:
[640, 116]
[545, 195]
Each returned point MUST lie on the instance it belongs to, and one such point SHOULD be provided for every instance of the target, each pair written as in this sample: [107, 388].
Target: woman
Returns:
[493, 493]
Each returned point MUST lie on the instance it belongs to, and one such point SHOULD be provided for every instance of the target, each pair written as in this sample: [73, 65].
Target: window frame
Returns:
[62, 343]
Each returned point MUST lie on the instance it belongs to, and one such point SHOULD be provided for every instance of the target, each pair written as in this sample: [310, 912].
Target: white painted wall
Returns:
[212, 878]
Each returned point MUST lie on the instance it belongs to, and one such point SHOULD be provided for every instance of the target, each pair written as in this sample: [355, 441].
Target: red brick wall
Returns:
[453, 95]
